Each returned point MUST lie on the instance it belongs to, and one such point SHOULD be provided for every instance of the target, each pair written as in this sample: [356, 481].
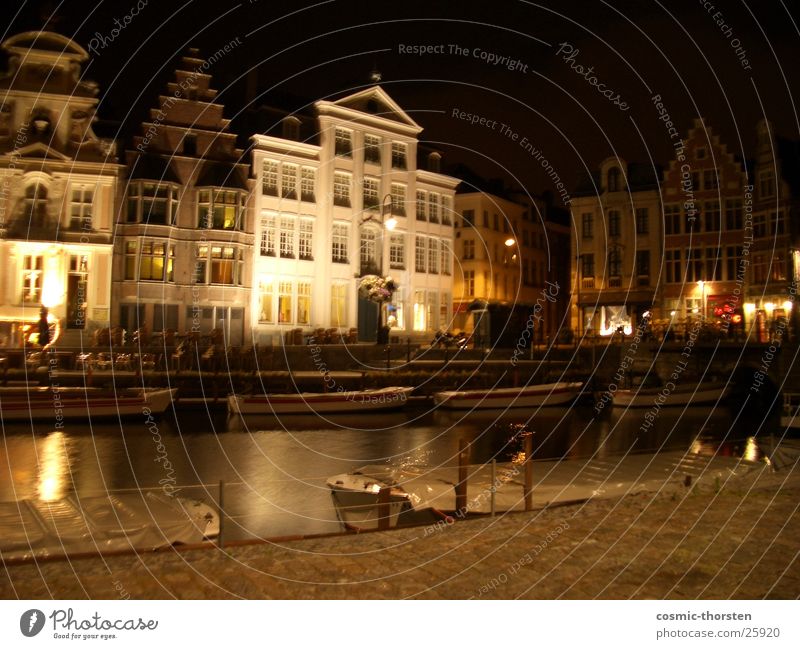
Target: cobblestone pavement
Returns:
[738, 540]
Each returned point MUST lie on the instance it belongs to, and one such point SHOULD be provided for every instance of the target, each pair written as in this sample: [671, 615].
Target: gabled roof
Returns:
[152, 167]
[40, 150]
[373, 101]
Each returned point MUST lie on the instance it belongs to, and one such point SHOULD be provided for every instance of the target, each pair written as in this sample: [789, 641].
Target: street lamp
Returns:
[702, 286]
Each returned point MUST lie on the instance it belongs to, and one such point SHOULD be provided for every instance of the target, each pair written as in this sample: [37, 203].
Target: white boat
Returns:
[59, 403]
[79, 524]
[531, 396]
[690, 394]
[790, 416]
[325, 402]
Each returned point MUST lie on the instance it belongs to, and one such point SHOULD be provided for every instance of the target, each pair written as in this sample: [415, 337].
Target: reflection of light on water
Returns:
[52, 467]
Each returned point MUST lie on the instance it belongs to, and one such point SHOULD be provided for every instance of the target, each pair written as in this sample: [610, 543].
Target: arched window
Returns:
[614, 181]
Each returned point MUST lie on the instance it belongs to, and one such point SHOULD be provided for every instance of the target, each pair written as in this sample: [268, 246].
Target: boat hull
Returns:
[551, 394]
[356, 500]
[320, 403]
[60, 404]
[693, 395]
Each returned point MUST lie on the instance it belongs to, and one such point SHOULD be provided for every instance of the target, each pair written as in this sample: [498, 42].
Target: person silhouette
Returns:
[44, 328]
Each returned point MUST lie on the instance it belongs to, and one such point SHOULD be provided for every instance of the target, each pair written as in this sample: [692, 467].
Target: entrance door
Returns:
[367, 320]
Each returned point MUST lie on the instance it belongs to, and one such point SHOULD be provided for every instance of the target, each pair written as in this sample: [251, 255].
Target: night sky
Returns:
[684, 51]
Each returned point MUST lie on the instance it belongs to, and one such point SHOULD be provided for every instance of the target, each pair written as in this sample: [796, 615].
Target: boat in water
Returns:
[60, 403]
[319, 403]
[531, 396]
[690, 394]
[113, 522]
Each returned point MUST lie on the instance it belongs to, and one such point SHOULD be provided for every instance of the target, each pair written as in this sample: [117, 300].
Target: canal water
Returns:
[274, 469]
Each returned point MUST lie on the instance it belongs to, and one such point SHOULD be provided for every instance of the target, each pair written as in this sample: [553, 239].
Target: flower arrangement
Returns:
[377, 289]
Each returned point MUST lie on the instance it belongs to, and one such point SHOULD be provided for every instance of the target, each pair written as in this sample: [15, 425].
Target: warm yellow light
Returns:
[53, 467]
[787, 306]
[391, 223]
[749, 307]
[769, 306]
[701, 284]
[510, 242]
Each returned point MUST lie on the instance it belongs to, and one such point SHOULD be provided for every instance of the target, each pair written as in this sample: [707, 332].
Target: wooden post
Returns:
[461, 485]
[494, 484]
[221, 506]
[529, 473]
[384, 508]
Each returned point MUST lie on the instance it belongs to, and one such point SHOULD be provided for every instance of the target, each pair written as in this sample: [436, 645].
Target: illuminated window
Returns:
[469, 283]
[268, 225]
[419, 254]
[371, 201]
[420, 311]
[447, 210]
[344, 142]
[372, 149]
[398, 155]
[422, 210]
[80, 208]
[308, 179]
[338, 305]
[285, 302]
[369, 251]
[303, 303]
[433, 207]
[218, 265]
[156, 263]
[287, 237]
[32, 277]
[433, 255]
[288, 181]
[220, 209]
[266, 291]
[446, 247]
[306, 233]
[397, 251]
[399, 199]
[339, 247]
[269, 178]
[341, 189]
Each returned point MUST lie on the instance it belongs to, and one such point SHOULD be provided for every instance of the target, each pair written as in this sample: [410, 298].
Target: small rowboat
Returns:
[319, 403]
[60, 403]
[691, 394]
[532, 396]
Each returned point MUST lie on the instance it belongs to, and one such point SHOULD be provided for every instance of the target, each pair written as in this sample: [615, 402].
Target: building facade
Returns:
[326, 190]
[57, 199]
[184, 239]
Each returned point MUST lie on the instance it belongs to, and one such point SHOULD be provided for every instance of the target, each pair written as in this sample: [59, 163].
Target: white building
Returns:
[322, 205]
[57, 193]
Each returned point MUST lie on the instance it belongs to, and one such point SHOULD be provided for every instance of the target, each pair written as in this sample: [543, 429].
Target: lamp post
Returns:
[385, 217]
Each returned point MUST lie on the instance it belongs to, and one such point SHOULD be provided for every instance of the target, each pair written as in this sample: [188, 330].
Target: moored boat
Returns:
[60, 403]
[690, 394]
[319, 403]
[531, 396]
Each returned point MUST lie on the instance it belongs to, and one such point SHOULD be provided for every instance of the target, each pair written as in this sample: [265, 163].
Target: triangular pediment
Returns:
[40, 150]
[376, 101]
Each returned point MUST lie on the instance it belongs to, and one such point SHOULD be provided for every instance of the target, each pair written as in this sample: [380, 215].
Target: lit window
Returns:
[220, 209]
[369, 251]
[397, 251]
[419, 254]
[156, 262]
[344, 142]
[289, 181]
[80, 208]
[433, 255]
[446, 247]
[372, 149]
[266, 292]
[306, 239]
[303, 303]
[269, 178]
[339, 247]
[285, 302]
[287, 238]
[338, 305]
[433, 207]
[341, 189]
[32, 277]
[398, 199]
[307, 182]
[268, 225]
[371, 201]
[398, 155]
[422, 202]
[130, 259]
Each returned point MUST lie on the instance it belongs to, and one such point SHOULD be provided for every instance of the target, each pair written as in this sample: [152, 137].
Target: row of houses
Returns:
[185, 232]
[707, 238]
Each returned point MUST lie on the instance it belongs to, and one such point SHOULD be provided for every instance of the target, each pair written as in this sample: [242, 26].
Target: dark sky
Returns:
[324, 49]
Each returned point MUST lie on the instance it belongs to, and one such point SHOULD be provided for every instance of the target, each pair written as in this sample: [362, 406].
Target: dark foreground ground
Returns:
[740, 539]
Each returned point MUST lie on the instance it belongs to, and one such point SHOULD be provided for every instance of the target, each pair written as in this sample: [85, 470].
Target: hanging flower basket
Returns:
[377, 289]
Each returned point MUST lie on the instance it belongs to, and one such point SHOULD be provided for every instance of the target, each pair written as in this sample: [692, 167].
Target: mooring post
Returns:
[384, 508]
[493, 490]
[529, 473]
[221, 505]
[461, 486]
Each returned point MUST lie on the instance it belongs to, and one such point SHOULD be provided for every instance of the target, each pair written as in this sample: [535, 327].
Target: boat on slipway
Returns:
[60, 403]
[531, 396]
[690, 394]
[356, 401]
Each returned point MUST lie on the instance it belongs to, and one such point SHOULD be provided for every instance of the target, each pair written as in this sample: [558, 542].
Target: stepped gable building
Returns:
[184, 237]
[616, 248]
[339, 195]
[774, 257]
[57, 194]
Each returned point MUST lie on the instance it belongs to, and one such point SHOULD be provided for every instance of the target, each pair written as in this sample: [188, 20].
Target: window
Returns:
[398, 155]
[419, 254]
[420, 311]
[341, 189]
[694, 265]
[399, 199]
[710, 179]
[496, 222]
[372, 149]
[220, 209]
[485, 219]
[672, 262]
[733, 214]
[306, 239]
[268, 224]
[672, 219]
[447, 210]
[284, 302]
[80, 208]
[224, 262]
[760, 268]
[422, 201]
[713, 264]
[447, 246]
[587, 265]
[469, 283]
[131, 252]
[469, 249]
[642, 267]
[778, 270]
[151, 203]
[371, 201]
[339, 246]
[613, 223]
[468, 216]
[344, 143]
[303, 303]
[614, 184]
[289, 181]
[308, 179]
[369, 251]
[266, 293]
[766, 183]
[642, 220]
[614, 264]
[776, 224]
[433, 207]
[338, 305]
[587, 226]
[156, 262]
[444, 310]
[732, 256]
[397, 251]
[32, 277]
[696, 184]
[269, 178]
[759, 225]
[711, 216]
[433, 255]
[76, 291]
[286, 237]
